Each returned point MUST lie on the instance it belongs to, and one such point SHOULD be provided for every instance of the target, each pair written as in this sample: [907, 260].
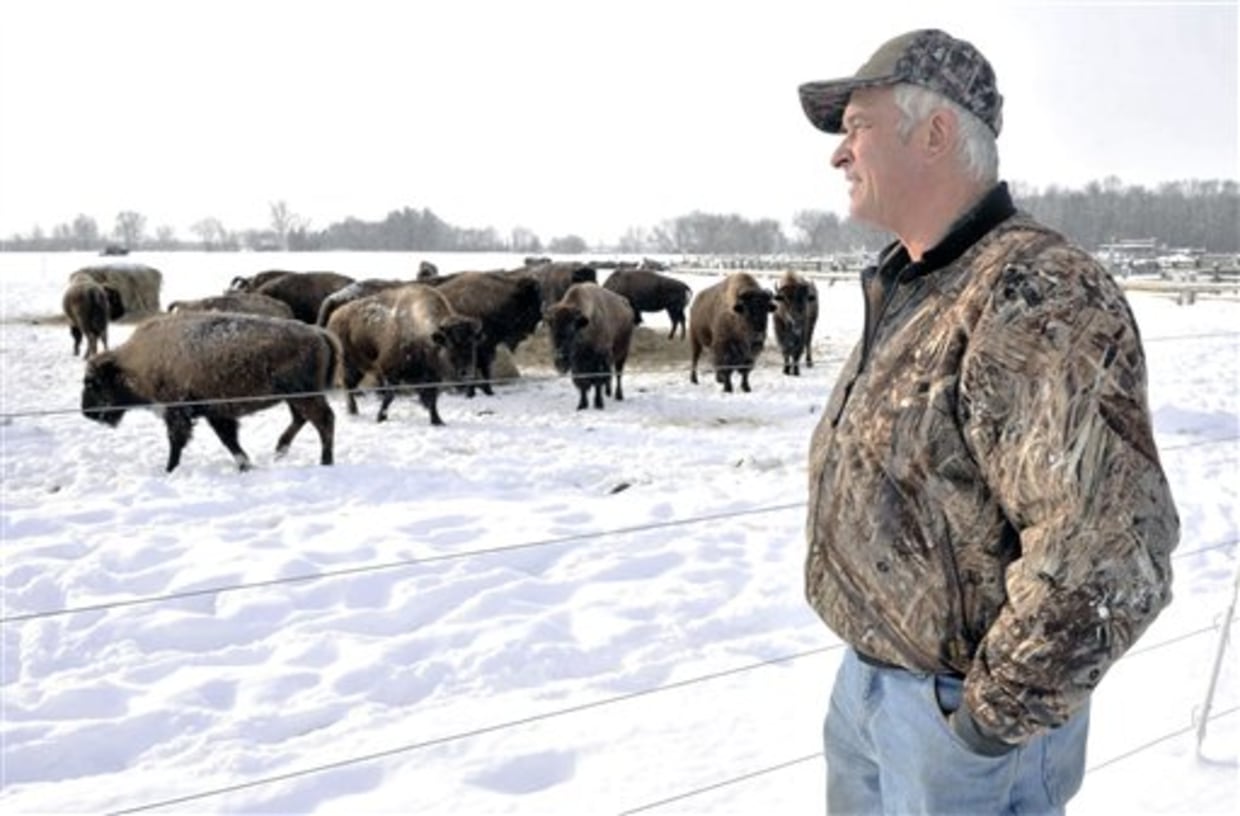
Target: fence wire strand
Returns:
[444, 385]
[575, 709]
[400, 563]
[476, 732]
[6, 418]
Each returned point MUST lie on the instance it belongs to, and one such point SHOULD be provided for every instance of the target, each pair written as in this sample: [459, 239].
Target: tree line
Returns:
[1196, 214]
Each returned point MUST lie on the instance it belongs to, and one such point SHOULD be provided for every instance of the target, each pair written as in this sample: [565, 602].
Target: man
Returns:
[989, 525]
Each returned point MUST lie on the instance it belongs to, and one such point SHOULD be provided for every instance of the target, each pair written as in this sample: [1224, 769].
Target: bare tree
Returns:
[284, 221]
[568, 245]
[211, 232]
[524, 240]
[85, 232]
[165, 236]
[129, 229]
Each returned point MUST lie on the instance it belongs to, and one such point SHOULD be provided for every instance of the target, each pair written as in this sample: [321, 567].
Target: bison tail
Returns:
[331, 375]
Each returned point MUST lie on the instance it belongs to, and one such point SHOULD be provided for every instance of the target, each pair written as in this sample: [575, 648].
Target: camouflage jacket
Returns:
[985, 496]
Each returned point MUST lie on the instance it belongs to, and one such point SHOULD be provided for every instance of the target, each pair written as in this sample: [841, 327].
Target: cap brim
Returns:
[824, 102]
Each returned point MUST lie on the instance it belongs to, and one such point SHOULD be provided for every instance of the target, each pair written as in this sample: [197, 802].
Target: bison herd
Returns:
[283, 336]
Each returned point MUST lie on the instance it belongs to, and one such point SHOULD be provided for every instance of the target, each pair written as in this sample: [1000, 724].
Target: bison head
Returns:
[564, 323]
[794, 298]
[457, 340]
[105, 396]
[753, 305]
[116, 303]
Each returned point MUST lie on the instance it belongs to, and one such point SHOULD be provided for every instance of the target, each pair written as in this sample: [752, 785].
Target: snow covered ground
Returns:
[529, 610]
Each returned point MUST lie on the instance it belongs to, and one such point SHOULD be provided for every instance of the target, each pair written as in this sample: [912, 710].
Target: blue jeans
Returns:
[890, 750]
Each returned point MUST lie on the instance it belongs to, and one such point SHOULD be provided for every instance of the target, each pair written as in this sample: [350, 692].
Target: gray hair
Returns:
[976, 147]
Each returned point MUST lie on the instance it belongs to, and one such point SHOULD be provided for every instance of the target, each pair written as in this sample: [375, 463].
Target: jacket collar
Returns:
[994, 208]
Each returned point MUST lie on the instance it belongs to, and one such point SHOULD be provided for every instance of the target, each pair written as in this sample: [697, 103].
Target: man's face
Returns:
[878, 165]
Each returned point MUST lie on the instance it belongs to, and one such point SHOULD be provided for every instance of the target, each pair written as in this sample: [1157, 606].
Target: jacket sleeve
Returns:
[1053, 404]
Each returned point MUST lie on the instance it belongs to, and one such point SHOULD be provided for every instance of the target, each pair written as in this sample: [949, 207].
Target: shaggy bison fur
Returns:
[729, 318]
[649, 291]
[220, 366]
[796, 314]
[89, 306]
[591, 329]
[408, 336]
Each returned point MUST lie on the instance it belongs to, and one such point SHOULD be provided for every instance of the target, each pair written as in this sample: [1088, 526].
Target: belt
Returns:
[883, 664]
[875, 662]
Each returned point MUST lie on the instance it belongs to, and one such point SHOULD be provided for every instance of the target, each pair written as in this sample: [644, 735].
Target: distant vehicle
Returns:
[114, 249]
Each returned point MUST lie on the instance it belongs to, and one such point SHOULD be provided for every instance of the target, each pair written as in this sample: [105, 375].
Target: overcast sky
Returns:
[583, 117]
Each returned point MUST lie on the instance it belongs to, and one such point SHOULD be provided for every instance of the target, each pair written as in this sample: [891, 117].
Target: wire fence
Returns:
[456, 385]
[609, 701]
[558, 541]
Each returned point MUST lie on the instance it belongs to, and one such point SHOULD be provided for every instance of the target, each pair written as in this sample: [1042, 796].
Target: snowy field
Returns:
[529, 610]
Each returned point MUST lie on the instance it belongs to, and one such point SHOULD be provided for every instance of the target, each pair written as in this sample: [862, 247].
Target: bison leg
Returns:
[77, 339]
[697, 352]
[180, 427]
[677, 316]
[485, 358]
[619, 387]
[226, 429]
[598, 391]
[352, 376]
[318, 412]
[745, 380]
[389, 394]
[429, 397]
[583, 389]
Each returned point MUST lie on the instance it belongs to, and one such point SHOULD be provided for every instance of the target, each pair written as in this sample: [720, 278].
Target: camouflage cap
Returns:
[927, 57]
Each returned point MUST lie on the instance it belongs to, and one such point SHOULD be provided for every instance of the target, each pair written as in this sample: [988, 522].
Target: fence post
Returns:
[1218, 661]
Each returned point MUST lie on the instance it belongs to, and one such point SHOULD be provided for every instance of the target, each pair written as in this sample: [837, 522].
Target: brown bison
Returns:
[89, 306]
[221, 366]
[796, 314]
[729, 318]
[243, 302]
[251, 284]
[408, 336]
[648, 291]
[354, 291]
[591, 329]
[138, 284]
[304, 292]
[554, 278]
[508, 306]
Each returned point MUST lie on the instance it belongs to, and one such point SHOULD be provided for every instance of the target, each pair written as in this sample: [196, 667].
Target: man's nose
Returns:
[841, 156]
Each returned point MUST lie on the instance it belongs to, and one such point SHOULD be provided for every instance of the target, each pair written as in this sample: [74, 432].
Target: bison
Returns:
[354, 291]
[252, 283]
[243, 302]
[138, 284]
[508, 306]
[221, 366]
[648, 291]
[796, 314]
[729, 318]
[405, 336]
[591, 328]
[304, 292]
[554, 278]
[89, 306]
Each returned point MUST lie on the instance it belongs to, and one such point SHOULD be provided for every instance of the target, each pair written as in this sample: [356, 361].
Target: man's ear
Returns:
[940, 133]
